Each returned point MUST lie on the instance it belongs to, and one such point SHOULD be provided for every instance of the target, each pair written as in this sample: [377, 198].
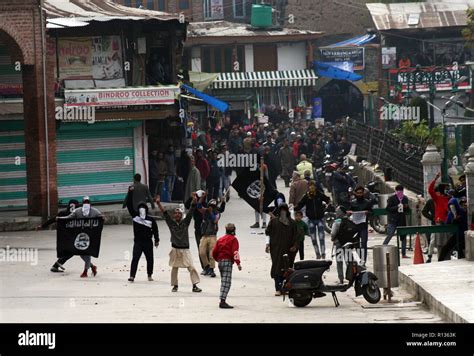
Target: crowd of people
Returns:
[290, 151]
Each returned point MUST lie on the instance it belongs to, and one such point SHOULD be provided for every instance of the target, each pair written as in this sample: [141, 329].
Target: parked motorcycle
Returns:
[305, 281]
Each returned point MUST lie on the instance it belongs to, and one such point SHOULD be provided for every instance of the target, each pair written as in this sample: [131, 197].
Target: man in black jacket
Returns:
[313, 201]
[144, 229]
[360, 208]
[397, 206]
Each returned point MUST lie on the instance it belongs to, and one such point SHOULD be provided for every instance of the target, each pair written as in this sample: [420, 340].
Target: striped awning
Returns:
[289, 78]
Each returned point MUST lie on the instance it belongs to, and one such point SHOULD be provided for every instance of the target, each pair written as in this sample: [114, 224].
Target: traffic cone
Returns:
[418, 256]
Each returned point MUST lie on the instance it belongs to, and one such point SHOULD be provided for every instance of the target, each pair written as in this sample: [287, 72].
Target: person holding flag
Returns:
[85, 212]
[71, 206]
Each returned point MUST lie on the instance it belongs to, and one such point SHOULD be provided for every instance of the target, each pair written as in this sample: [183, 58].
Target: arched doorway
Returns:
[27, 139]
[341, 98]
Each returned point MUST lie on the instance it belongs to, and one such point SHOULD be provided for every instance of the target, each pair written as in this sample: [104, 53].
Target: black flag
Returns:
[247, 185]
[79, 236]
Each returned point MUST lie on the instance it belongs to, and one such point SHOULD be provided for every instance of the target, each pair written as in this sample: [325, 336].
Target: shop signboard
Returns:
[344, 54]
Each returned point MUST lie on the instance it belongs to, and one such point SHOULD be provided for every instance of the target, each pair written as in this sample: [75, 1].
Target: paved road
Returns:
[33, 294]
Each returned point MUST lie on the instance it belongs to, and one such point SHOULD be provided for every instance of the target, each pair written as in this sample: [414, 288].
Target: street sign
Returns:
[442, 81]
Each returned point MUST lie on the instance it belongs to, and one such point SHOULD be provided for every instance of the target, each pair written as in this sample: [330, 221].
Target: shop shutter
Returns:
[95, 160]
[12, 166]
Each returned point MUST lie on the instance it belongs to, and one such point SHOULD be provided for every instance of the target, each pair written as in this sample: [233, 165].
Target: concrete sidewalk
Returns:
[447, 287]
[114, 215]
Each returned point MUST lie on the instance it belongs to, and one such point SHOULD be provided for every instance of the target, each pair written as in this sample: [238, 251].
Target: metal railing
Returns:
[382, 148]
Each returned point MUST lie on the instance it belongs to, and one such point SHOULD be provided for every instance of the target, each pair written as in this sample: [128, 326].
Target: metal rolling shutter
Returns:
[12, 166]
[95, 160]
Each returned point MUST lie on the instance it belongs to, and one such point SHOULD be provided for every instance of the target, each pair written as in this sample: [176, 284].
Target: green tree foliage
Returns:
[468, 32]
[420, 134]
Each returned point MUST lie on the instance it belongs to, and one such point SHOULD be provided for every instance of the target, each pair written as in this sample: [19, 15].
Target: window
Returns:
[222, 59]
[207, 9]
[239, 8]
[128, 3]
[150, 4]
[139, 3]
[184, 4]
[161, 5]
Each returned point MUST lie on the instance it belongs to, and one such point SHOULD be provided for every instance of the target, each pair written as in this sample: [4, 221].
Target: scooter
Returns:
[305, 281]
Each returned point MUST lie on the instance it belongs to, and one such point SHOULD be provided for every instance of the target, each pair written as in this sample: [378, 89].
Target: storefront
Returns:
[97, 160]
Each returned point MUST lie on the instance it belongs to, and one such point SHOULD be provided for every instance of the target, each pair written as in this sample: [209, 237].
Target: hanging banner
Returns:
[389, 57]
[317, 108]
[344, 54]
[217, 10]
[121, 97]
[442, 80]
[75, 57]
[98, 57]
[107, 57]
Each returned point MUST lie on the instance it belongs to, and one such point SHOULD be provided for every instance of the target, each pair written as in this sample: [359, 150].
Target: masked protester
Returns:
[144, 229]
[313, 202]
[281, 240]
[360, 207]
[84, 212]
[71, 206]
[226, 253]
[180, 256]
[397, 206]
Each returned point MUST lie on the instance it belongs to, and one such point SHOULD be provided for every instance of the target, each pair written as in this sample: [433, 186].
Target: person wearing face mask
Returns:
[360, 207]
[282, 239]
[313, 202]
[84, 212]
[180, 256]
[144, 229]
[397, 206]
[71, 206]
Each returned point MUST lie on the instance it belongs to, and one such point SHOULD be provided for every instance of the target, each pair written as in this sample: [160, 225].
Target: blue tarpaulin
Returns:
[329, 71]
[356, 41]
[216, 103]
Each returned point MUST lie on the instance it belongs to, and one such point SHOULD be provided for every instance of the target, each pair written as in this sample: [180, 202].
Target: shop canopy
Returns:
[356, 41]
[276, 79]
[214, 102]
[329, 71]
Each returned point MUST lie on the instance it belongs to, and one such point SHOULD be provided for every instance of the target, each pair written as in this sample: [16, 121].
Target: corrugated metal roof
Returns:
[77, 13]
[430, 14]
[231, 29]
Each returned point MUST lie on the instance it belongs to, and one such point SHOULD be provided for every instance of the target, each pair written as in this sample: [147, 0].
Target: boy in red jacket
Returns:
[226, 252]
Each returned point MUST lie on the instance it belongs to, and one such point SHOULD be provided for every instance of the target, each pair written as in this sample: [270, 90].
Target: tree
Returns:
[468, 32]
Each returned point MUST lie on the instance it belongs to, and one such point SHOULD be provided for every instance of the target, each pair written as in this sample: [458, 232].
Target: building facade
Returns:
[111, 89]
